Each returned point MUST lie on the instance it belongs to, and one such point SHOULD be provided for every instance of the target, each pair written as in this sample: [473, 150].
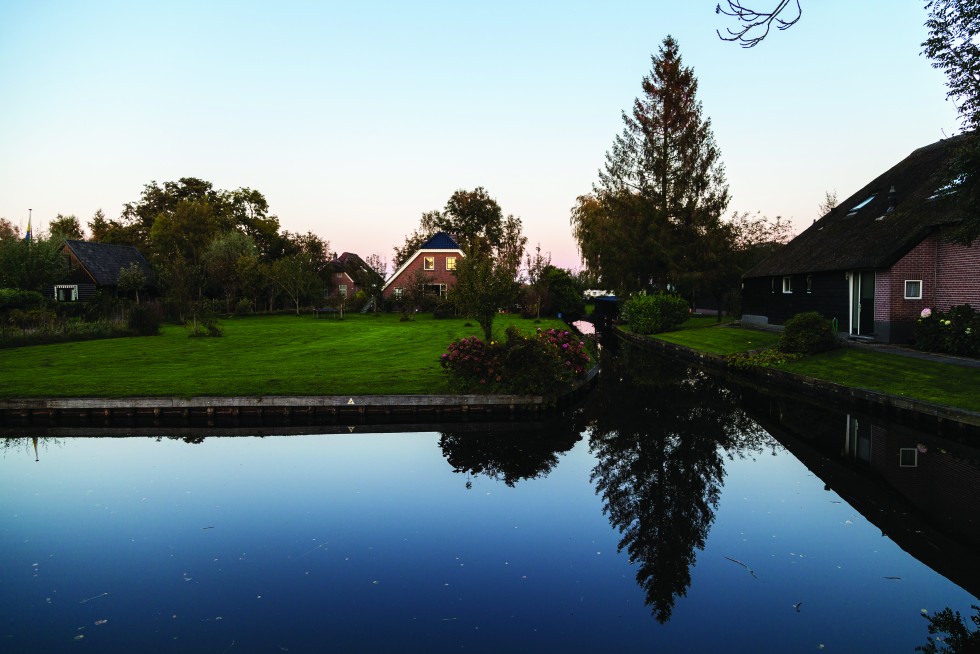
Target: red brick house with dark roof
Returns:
[350, 274]
[436, 259]
[875, 261]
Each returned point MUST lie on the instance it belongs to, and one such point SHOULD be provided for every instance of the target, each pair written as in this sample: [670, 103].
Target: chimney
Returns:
[891, 199]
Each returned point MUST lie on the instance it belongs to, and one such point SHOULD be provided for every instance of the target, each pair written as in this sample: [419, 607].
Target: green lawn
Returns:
[894, 374]
[704, 334]
[851, 366]
[276, 355]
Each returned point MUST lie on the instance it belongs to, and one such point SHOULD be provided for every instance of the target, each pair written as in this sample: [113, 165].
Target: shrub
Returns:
[15, 298]
[244, 307]
[808, 333]
[543, 364]
[653, 314]
[954, 332]
[144, 320]
[767, 358]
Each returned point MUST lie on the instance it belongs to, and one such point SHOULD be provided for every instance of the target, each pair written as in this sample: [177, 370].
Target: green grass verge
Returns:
[854, 367]
[274, 355]
[894, 374]
[704, 334]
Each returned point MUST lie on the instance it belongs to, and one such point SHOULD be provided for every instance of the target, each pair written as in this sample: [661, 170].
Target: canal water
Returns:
[670, 512]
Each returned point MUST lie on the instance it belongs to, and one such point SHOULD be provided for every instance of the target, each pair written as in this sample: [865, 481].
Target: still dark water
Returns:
[670, 513]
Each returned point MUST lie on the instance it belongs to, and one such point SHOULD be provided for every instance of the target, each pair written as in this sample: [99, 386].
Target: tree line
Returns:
[207, 247]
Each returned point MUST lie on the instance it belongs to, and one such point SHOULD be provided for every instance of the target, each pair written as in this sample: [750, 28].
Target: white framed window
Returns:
[428, 263]
[398, 293]
[66, 293]
[450, 263]
[913, 289]
[342, 289]
[908, 457]
[787, 284]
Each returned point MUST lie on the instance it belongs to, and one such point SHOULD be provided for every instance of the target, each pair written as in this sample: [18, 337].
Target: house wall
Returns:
[958, 276]
[438, 276]
[950, 275]
[763, 300]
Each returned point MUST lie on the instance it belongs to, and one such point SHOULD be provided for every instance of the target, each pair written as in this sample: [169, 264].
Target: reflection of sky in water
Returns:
[372, 543]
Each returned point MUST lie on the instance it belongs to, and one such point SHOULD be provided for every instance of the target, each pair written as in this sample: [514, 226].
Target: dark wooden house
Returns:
[436, 259]
[877, 260]
[95, 266]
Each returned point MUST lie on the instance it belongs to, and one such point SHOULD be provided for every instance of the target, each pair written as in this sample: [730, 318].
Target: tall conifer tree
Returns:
[662, 188]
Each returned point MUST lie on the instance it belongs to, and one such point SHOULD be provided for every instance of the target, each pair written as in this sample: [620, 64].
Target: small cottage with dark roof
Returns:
[95, 266]
[877, 260]
[350, 274]
[436, 259]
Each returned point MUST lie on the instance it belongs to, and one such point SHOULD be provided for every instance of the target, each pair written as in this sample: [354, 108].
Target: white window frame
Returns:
[913, 281]
[342, 289]
[788, 284]
[428, 263]
[908, 457]
[809, 283]
[72, 287]
[398, 293]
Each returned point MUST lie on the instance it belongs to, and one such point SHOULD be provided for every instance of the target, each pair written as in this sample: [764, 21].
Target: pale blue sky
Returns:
[354, 118]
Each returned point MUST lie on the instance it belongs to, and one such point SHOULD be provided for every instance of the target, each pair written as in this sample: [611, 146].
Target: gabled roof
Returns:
[440, 241]
[862, 232]
[103, 261]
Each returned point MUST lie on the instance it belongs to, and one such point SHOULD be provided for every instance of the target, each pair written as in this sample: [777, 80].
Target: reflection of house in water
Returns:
[920, 489]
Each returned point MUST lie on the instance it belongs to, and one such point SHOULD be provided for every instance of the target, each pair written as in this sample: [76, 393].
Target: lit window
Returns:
[428, 263]
[787, 284]
[450, 263]
[913, 289]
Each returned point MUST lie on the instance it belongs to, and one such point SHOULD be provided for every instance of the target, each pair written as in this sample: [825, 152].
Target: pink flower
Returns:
[926, 312]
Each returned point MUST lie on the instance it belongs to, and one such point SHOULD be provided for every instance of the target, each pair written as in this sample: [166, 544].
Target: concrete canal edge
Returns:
[22, 412]
[895, 405]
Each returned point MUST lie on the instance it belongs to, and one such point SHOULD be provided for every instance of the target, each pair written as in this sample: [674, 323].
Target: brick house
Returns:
[350, 274]
[435, 259]
[876, 260]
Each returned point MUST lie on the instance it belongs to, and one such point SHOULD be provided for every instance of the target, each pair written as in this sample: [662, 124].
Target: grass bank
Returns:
[884, 372]
[273, 355]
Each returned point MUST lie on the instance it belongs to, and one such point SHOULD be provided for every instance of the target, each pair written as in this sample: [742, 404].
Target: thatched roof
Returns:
[863, 234]
[103, 261]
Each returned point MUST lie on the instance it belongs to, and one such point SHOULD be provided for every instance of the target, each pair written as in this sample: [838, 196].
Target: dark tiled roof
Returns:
[872, 236]
[441, 241]
[103, 261]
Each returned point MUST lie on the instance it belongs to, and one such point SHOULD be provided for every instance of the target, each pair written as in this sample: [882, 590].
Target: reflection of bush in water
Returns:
[507, 456]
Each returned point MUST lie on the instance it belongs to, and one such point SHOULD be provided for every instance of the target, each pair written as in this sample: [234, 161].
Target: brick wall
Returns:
[920, 263]
[958, 278]
[439, 275]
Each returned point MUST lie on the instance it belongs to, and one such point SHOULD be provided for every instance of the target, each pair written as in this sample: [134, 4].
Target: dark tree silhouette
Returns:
[657, 431]
[754, 25]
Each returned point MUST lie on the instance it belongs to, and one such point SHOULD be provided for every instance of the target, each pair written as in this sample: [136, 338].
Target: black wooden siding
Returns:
[763, 296]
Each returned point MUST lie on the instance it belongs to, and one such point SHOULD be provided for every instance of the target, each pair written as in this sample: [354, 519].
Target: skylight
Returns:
[861, 205]
[949, 188]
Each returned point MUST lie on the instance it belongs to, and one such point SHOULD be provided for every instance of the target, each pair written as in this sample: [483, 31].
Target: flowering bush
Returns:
[954, 332]
[542, 364]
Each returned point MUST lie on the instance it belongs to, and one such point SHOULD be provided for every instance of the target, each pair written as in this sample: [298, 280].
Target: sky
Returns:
[354, 118]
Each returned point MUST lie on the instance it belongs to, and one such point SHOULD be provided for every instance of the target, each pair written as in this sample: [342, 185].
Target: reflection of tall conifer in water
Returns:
[657, 433]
